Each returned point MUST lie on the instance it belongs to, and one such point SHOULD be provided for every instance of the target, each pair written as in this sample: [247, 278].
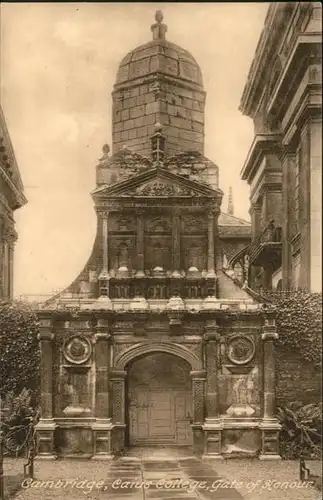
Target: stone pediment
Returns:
[156, 182]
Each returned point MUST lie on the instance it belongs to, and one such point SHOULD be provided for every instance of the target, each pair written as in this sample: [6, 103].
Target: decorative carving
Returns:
[118, 386]
[159, 225]
[77, 349]
[124, 224]
[240, 350]
[120, 348]
[198, 399]
[195, 348]
[193, 225]
[158, 188]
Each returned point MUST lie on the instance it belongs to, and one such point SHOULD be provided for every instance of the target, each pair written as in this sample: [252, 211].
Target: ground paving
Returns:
[163, 474]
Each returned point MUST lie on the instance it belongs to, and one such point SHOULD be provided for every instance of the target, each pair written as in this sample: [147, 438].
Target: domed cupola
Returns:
[158, 82]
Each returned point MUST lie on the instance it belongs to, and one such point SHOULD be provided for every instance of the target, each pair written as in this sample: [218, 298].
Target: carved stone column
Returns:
[46, 426]
[211, 339]
[212, 426]
[104, 275]
[11, 264]
[210, 249]
[176, 240]
[198, 393]
[269, 425]
[140, 243]
[102, 426]
[117, 378]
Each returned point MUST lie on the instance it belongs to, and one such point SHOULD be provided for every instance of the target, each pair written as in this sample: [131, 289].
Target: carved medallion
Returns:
[240, 350]
[77, 349]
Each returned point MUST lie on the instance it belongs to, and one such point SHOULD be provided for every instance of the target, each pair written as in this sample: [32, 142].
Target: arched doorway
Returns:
[159, 400]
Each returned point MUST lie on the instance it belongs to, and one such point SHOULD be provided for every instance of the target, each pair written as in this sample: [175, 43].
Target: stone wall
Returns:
[178, 109]
[297, 380]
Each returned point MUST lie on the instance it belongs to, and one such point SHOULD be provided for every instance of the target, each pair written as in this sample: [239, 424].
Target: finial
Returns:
[158, 127]
[159, 16]
[230, 202]
[105, 151]
[158, 143]
[159, 29]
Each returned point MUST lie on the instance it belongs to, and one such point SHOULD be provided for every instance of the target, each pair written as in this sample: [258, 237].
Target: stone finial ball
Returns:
[158, 127]
[159, 16]
[106, 149]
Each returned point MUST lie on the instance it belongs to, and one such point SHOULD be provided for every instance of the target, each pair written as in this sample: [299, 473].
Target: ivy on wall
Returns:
[19, 348]
[299, 322]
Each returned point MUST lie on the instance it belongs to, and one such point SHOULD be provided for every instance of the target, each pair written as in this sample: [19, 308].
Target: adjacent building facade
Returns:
[11, 198]
[283, 96]
[154, 343]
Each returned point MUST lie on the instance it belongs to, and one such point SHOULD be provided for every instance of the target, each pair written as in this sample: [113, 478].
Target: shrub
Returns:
[19, 349]
[299, 322]
[301, 431]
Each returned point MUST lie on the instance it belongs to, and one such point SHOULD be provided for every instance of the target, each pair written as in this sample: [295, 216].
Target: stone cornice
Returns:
[292, 69]
[155, 76]
[18, 195]
[282, 18]
[261, 144]
[266, 41]
[154, 173]
[308, 107]
[15, 185]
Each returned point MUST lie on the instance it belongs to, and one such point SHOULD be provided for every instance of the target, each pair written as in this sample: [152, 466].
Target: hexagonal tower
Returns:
[158, 82]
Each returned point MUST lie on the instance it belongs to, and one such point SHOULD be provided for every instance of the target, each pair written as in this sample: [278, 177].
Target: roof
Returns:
[159, 56]
[231, 220]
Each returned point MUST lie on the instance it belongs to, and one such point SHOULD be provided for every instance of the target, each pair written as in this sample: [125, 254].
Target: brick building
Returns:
[11, 198]
[154, 343]
[283, 96]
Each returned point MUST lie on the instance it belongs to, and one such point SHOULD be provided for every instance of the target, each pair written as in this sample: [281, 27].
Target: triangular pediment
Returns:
[156, 182]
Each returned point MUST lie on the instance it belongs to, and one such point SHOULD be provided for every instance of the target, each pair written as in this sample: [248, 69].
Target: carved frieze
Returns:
[158, 225]
[193, 224]
[159, 188]
[125, 223]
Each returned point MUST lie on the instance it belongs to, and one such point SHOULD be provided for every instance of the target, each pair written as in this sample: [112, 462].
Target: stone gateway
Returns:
[155, 343]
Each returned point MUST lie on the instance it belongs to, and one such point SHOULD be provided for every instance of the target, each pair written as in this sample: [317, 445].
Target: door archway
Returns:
[159, 400]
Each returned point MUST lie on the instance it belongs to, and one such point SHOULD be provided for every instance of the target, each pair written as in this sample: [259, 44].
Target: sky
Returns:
[58, 68]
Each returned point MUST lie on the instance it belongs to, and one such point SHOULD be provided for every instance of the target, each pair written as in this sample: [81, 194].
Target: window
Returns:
[296, 187]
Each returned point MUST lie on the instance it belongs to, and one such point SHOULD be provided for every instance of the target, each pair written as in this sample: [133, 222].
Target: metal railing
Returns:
[13, 441]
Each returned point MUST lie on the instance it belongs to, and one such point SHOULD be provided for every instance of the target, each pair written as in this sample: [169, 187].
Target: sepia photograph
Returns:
[160, 250]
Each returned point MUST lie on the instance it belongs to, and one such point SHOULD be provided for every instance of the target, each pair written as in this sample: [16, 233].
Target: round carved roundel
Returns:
[77, 349]
[241, 350]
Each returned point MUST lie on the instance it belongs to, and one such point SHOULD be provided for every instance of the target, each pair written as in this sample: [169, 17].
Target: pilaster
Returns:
[210, 250]
[176, 240]
[46, 425]
[104, 275]
[140, 244]
[269, 426]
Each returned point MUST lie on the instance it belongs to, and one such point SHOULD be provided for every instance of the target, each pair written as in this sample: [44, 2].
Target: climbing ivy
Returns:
[299, 322]
[19, 349]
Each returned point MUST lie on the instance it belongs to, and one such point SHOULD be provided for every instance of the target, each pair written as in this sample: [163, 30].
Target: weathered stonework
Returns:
[153, 343]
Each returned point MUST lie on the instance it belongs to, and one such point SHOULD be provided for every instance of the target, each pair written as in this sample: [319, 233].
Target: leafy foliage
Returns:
[18, 407]
[301, 431]
[299, 322]
[19, 348]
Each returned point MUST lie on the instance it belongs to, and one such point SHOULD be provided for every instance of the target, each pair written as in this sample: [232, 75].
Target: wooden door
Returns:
[161, 416]
[183, 416]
